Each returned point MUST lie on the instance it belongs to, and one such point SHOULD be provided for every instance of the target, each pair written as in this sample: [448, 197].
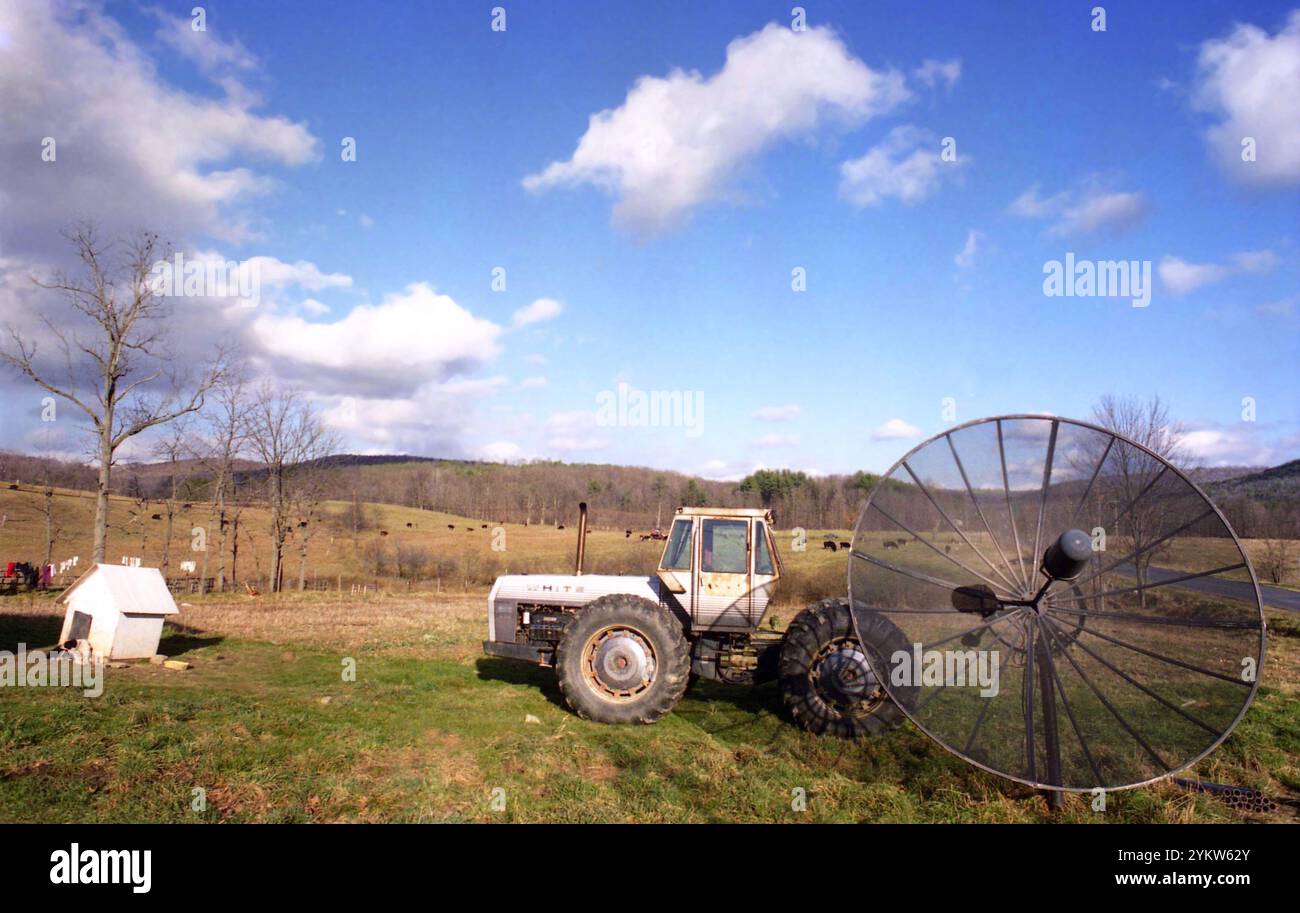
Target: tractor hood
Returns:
[569, 590]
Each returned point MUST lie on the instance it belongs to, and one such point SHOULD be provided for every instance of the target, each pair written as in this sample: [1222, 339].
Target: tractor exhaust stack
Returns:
[582, 537]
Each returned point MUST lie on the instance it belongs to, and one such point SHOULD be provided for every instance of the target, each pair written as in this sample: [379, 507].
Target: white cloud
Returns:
[162, 157]
[1180, 277]
[276, 273]
[540, 310]
[777, 440]
[678, 141]
[137, 151]
[965, 258]
[1256, 261]
[564, 444]
[211, 54]
[905, 165]
[726, 471]
[408, 339]
[532, 383]
[894, 430]
[576, 430]
[1225, 447]
[1250, 80]
[1092, 208]
[500, 451]
[366, 221]
[776, 413]
[931, 72]
[1113, 211]
[432, 419]
[1030, 205]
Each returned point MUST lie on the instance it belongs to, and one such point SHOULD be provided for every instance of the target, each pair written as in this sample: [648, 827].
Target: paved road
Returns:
[1278, 598]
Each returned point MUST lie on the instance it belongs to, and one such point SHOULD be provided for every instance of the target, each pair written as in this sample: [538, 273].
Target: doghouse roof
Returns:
[134, 590]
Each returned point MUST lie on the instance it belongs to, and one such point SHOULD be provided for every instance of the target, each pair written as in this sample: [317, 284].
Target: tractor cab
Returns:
[721, 565]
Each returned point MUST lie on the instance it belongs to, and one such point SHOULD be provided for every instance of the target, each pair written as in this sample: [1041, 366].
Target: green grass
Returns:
[273, 733]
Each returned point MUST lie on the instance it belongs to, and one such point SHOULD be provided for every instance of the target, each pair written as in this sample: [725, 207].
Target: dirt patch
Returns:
[439, 756]
[428, 625]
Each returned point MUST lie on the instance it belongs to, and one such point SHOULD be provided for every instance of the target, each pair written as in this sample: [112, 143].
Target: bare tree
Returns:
[411, 560]
[1277, 559]
[223, 443]
[115, 355]
[285, 432]
[305, 496]
[52, 528]
[173, 449]
[1130, 473]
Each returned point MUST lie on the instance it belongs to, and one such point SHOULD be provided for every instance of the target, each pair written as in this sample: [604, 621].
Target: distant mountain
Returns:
[1208, 475]
[1278, 484]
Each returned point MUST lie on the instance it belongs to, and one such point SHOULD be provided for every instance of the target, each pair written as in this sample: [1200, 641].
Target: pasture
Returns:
[265, 725]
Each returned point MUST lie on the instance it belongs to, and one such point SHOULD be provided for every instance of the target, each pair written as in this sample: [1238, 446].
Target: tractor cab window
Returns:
[677, 554]
[725, 548]
[762, 554]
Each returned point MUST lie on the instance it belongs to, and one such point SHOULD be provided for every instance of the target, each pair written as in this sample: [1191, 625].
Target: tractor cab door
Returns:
[723, 577]
[766, 571]
[678, 560]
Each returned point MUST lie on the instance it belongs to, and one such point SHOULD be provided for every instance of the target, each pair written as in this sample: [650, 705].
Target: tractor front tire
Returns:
[623, 659]
[826, 679]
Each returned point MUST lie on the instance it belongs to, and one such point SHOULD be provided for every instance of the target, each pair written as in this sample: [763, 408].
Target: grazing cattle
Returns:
[451, 526]
[302, 524]
[156, 517]
[627, 534]
[890, 543]
[561, 526]
[484, 526]
[469, 529]
[828, 545]
[382, 532]
[844, 545]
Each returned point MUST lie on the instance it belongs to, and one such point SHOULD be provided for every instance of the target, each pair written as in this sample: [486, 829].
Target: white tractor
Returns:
[625, 649]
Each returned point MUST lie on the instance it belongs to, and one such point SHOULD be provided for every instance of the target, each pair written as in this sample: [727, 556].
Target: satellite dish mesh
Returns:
[1135, 668]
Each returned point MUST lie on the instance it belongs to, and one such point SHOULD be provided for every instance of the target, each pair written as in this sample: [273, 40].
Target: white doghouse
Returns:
[118, 610]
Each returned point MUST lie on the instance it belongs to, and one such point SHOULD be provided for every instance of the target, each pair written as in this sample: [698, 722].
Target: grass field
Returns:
[266, 726]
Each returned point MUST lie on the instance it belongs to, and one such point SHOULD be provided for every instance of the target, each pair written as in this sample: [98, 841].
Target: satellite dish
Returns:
[1080, 614]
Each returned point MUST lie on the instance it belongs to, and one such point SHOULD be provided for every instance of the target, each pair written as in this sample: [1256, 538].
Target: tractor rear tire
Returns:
[825, 678]
[623, 659]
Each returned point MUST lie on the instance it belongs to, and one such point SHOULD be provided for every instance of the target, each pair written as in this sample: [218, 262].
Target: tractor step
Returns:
[528, 652]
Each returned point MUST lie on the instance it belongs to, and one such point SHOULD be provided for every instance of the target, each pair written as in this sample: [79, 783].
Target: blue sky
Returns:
[669, 247]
